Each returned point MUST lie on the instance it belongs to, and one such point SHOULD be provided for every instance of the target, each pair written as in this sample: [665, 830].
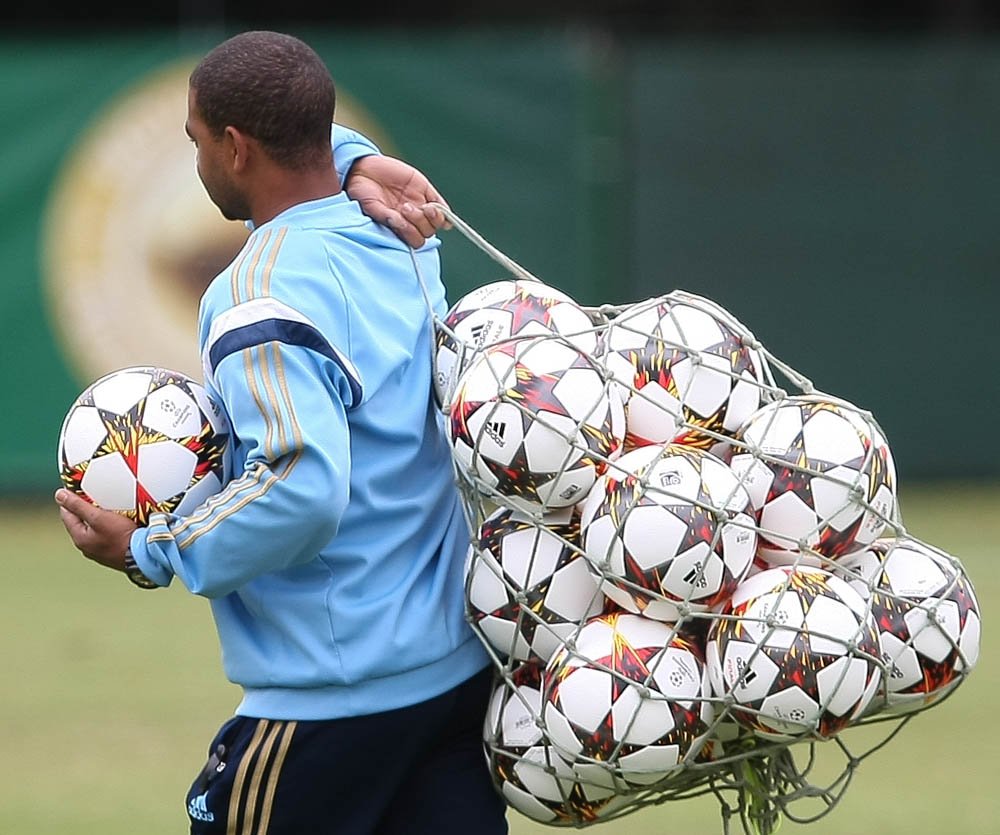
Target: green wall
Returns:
[841, 199]
[835, 196]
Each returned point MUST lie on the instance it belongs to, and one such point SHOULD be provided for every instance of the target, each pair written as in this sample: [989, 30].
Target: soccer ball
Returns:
[499, 311]
[797, 650]
[686, 370]
[629, 698]
[528, 586]
[668, 529]
[533, 420]
[821, 476]
[527, 770]
[928, 619]
[144, 440]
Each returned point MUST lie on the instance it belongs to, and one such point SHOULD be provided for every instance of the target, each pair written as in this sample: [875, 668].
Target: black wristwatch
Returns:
[134, 573]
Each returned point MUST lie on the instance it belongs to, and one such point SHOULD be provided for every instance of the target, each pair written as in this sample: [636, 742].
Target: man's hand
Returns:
[101, 535]
[395, 194]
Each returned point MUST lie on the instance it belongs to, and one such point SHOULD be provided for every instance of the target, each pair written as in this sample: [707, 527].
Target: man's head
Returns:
[267, 88]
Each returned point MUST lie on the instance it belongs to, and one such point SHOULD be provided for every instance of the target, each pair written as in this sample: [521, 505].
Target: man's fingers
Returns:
[413, 224]
[70, 501]
[378, 211]
[102, 535]
[428, 217]
[75, 526]
[72, 511]
[424, 218]
[420, 221]
[438, 218]
[400, 226]
[410, 234]
[76, 505]
[432, 195]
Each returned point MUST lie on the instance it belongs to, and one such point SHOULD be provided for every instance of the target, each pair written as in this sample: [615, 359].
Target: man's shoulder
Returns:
[271, 256]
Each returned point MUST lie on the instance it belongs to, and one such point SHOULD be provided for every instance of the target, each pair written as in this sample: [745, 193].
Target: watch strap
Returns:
[134, 573]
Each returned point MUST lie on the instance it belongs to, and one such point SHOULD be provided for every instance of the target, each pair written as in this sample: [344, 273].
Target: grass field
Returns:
[109, 696]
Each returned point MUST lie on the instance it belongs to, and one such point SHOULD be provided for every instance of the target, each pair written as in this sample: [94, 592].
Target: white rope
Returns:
[478, 240]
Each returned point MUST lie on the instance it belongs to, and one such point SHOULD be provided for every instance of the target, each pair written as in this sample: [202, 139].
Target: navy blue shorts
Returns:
[419, 769]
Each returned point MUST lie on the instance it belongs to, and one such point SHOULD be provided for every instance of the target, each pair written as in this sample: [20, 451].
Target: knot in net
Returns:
[687, 564]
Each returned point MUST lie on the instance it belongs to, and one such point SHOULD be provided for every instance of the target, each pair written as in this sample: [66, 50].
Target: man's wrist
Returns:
[134, 573]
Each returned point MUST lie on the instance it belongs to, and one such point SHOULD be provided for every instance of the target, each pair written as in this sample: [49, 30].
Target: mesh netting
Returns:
[687, 563]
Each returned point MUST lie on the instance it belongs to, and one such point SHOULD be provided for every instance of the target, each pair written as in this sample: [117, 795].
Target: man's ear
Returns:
[238, 146]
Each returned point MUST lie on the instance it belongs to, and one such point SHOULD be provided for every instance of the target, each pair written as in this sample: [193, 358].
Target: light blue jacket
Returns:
[333, 559]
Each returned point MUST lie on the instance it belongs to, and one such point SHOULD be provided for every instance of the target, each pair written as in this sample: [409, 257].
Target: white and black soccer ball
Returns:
[687, 370]
[527, 770]
[669, 530]
[629, 698]
[502, 310]
[144, 440]
[928, 619]
[534, 421]
[528, 587]
[797, 651]
[820, 475]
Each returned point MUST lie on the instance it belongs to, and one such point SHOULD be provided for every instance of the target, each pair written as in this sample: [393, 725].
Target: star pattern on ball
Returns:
[535, 396]
[127, 433]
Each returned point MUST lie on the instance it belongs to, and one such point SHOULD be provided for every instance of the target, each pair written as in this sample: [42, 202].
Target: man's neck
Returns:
[290, 189]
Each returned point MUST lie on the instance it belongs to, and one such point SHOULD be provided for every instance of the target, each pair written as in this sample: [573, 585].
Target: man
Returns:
[333, 559]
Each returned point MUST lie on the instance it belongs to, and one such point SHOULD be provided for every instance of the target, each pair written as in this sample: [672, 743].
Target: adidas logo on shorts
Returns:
[198, 809]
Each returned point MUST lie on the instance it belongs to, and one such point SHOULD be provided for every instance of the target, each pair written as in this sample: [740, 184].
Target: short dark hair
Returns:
[272, 87]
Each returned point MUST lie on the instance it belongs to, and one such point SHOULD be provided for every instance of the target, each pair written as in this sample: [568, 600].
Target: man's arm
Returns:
[288, 406]
[280, 512]
[391, 192]
[286, 391]
[349, 147]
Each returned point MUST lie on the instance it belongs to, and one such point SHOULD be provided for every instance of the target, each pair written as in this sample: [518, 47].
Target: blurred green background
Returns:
[836, 194]
[110, 696]
[836, 191]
